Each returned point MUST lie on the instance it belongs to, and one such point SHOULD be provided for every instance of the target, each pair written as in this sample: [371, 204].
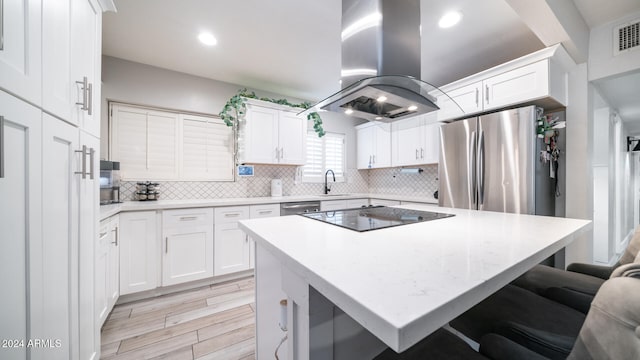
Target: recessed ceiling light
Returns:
[381, 98]
[378, 117]
[207, 38]
[348, 111]
[450, 19]
[412, 108]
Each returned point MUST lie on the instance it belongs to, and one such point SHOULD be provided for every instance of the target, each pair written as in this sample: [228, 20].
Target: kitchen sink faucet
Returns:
[326, 187]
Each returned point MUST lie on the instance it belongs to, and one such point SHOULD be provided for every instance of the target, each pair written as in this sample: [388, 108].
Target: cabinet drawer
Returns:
[260, 211]
[231, 214]
[187, 217]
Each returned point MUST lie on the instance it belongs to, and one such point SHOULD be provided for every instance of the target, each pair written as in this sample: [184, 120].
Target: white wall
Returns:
[140, 84]
[602, 63]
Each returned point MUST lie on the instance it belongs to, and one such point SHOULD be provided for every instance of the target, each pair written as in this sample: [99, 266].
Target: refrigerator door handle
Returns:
[480, 170]
[472, 168]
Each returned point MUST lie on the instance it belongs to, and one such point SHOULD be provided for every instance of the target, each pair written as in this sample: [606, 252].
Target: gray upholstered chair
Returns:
[576, 286]
[611, 330]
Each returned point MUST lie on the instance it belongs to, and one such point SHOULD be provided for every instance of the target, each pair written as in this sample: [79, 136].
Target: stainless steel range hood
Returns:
[381, 63]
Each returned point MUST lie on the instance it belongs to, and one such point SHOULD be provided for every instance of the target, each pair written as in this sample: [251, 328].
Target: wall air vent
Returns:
[626, 37]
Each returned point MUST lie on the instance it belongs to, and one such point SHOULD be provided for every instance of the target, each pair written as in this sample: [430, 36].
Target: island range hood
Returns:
[381, 63]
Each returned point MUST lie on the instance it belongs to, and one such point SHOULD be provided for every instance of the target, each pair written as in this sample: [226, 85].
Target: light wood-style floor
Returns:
[212, 322]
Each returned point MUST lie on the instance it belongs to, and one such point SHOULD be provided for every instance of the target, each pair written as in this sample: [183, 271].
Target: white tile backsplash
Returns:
[383, 181]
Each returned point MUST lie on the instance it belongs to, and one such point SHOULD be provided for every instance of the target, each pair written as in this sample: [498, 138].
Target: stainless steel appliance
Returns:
[491, 162]
[109, 182]
[374, 218]
[293, 208]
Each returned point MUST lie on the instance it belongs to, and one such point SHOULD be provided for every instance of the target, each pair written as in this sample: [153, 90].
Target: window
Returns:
[323, 154]
[155, 144]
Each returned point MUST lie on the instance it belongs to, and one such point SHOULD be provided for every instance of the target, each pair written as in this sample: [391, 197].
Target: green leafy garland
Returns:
[238, 106]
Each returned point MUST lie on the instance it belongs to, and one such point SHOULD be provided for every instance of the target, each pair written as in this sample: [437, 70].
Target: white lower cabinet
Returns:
[107, 268]
[188, 245]
[383, 202]
[231, 251]
[357, 203]
[139, 251]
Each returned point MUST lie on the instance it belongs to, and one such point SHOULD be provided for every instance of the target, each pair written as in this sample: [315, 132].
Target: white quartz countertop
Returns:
[404, 282]
[110, 210]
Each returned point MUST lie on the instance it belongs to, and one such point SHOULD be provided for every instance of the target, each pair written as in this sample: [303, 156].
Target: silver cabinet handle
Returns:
[116, 236]
[231, 215]
[85, 86]
[90, 100]
[1, 26]
[92, 153]
[265, 212]
[281, 153]
[481, 168]
[188, 218]
[166, 245]
[416, 154]
[472, 167]
[277, 153]
[1, 145]
[486, 96]
[83, 167]
[421, 153]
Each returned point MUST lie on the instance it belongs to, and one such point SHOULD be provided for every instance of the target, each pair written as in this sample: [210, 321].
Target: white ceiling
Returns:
[292, 47]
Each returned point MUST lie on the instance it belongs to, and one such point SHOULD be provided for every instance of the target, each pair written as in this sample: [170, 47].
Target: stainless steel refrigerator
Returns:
[492, 162]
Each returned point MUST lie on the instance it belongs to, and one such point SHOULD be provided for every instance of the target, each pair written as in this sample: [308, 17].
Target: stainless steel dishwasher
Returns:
[292, 208]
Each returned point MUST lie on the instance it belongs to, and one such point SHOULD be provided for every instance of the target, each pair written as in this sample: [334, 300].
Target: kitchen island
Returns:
[351, 293]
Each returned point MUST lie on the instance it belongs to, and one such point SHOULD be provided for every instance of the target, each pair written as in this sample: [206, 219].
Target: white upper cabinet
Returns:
[538, 78]
[71, 39]
[20, 49]
[525, 83]
[415, 141]
[373, 145]
[271, 135]
[469, 98]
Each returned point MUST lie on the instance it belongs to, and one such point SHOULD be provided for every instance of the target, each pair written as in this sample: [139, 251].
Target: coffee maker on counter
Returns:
[109, 182]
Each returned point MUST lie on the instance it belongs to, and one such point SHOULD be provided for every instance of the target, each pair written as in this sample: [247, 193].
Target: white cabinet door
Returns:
[383, 202]
[86, 30]
[113, 266]
[373, 146]
[469, 98]
[364, 151]
[432, 144]
[102, 273]
[382, 146]
[260, 136]
[89, 203]
[60, 268]
[333, 205]
[20, 222]
[516, 86]
[58, 88]
[292, 132]
[139, 252]
[231, 253]
[188, 245]
[406, 141]
[357, 203]
[20, 49]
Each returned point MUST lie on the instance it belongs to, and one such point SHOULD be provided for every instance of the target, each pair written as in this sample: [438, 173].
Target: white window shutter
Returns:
[327, 152]
[207, 149]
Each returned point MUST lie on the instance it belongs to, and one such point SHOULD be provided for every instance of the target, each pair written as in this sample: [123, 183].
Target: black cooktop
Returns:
[375, 217]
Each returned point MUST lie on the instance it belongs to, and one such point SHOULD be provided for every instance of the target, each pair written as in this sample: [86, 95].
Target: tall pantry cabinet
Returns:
[49, 158]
